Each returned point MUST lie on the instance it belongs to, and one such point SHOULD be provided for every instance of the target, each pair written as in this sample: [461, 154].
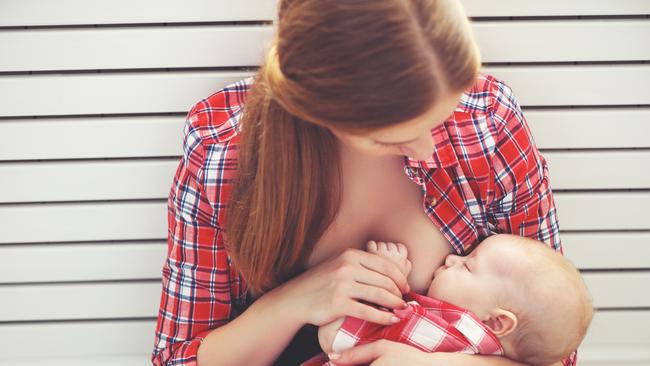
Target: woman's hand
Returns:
[385, 353]
[332, 289]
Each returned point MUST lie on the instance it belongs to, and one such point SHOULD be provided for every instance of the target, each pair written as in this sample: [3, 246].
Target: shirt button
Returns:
[412, 170]
[430, 200]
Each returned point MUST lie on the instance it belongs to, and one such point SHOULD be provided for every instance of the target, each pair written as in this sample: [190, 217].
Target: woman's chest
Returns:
[385, 207]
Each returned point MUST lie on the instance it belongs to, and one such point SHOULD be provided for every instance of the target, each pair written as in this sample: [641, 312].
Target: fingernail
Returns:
[333, 356]
[394, 319]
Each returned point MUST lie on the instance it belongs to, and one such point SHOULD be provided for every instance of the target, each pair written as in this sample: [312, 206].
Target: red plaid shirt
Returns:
[428, 324]
[485, 177]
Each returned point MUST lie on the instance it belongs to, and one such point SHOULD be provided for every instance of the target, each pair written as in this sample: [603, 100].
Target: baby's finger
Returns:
[385, 267]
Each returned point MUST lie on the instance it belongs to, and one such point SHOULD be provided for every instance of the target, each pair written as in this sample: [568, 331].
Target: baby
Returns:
[524, 299]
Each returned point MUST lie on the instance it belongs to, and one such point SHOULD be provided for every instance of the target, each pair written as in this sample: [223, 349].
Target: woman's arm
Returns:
[460, 359]
[256, 337]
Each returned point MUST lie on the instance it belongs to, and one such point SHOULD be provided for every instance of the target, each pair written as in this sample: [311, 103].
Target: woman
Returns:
[369, 120]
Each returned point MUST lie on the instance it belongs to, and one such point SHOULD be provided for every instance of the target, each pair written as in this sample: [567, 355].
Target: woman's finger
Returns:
[363, 354]
[385, 267]
[373, 278]
[370, 313]
[376, 295]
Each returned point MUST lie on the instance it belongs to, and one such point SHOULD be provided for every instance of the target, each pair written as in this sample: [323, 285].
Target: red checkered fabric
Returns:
[428, 324]
[485, 177]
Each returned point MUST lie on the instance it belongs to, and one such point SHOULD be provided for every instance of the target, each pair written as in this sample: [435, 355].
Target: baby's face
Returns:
[476, 281]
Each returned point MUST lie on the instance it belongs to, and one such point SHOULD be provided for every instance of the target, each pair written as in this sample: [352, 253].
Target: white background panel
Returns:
[590, 128]
[65, 12]
[607, 249]
[179, 91]
[21, 12]
[147, 220]
[83, 222]
[82, 138]
[82, 261]
[143, 260]
[141, 298]
[176, 46]
[152, 179]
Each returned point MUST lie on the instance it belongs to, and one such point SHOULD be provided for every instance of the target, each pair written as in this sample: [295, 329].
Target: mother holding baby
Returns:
[368, 120]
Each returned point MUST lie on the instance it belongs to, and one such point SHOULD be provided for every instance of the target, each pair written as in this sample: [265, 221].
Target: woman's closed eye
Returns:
[385, 145]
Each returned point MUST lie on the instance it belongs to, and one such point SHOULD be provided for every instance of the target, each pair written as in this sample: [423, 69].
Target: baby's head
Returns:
[529, 295]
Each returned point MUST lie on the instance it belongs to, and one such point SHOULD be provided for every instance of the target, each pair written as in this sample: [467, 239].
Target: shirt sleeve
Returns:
[198, 283]
[523, 201]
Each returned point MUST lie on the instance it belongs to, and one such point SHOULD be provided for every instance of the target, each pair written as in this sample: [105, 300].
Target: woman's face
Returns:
[411, 138]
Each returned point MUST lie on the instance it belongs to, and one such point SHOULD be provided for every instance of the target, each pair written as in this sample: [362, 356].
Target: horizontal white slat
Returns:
[499, 8]
[138, 260]
[614, 336]
[21, 12]
[86, 180]
[141, 299]
[109, 93]
[119, 48]
[83, 222]
[607, 250]
[619, 289]
[27, 95]
[577, 85]
[589, 128]
[69, 12]
[617, 338]
[79, 301]
[62, 222]
[160, 47]
[139, 360]
[77, 138]
[82, 262]
[80, 339]
[619, 328]
[603, 211]
[599, 170]
[151, 179]
[547, 41]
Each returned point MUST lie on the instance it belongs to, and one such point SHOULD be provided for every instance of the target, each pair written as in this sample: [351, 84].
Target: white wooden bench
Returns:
[82, 250]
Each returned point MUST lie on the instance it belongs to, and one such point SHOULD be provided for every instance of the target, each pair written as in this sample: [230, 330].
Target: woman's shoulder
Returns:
[215, 118]
[487, 95]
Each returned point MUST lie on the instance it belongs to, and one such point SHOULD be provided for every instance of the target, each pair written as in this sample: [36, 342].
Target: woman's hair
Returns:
[352, 65]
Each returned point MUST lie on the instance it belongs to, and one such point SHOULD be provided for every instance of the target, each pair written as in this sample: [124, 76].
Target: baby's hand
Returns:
[396, 253]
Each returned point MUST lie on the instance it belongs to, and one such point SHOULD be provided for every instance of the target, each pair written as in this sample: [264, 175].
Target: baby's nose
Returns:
[452, 260]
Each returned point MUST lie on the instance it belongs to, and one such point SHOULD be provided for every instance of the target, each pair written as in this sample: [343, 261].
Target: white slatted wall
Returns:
[92, 100]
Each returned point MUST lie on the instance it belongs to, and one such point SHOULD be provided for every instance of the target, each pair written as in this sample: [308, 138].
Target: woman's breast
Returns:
[389, 209]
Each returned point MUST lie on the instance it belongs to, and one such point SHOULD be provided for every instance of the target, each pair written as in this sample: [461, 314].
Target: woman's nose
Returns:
[423, 148]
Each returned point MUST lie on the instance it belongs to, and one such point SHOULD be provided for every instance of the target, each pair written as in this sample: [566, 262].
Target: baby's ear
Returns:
[501, 322]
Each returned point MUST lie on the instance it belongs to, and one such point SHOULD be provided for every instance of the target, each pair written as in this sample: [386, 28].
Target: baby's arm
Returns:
[396, 253]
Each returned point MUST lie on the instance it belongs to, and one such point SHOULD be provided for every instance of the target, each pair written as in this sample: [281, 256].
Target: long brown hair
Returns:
[352, 65]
